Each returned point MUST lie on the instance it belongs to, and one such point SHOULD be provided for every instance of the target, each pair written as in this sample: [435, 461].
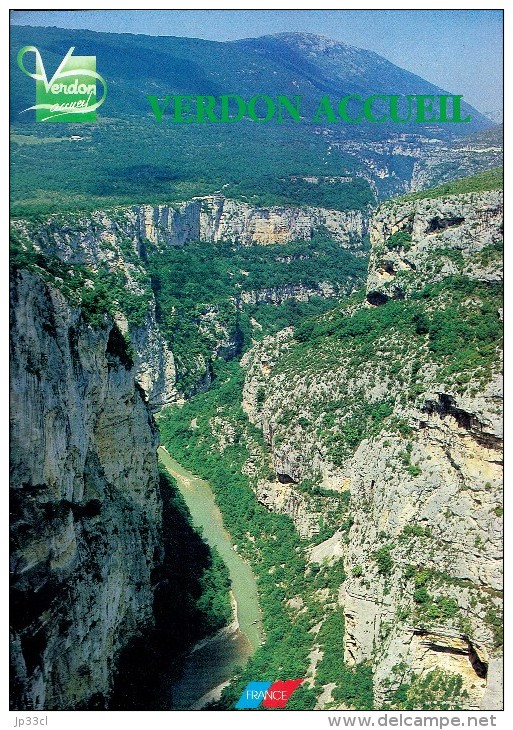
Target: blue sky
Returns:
[459, 50]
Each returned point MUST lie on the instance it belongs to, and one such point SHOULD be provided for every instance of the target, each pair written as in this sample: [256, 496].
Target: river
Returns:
[212, 662]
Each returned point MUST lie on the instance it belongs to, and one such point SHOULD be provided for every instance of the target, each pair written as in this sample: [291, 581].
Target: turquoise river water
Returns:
[211, 663]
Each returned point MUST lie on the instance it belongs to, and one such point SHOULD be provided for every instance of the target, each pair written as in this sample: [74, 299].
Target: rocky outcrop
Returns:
[426, 241]
[423, 556]
[165, 225]
[118, 240]
[284, 499]
[155, 368]
[233, 220]
[278, 295]
[86, 510]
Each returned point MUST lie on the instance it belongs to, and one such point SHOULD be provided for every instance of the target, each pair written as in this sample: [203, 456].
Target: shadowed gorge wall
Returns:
[86, 511]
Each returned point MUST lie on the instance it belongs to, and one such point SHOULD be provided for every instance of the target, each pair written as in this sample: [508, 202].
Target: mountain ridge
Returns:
[266, 164]
[205, 74]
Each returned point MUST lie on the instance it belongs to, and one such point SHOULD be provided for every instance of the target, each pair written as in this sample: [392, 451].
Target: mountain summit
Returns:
[287, 63]
[335, 67]
[270, 163]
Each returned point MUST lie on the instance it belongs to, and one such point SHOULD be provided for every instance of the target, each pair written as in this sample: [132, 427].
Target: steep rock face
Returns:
[438, 529]
[118, 241]
[86, 510]
[423, 596]
[278, 295]
[413, 244]
[166, 225]
[154, 362]
[112, 242]
[224, 219]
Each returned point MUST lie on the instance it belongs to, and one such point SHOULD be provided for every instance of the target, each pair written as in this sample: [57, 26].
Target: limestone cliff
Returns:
[216, 218]
[278, 295]
[413, 244]
[110, 242]
[85, 506]
[118, 241]
[209, 219]
[224, 219]
[397, 398]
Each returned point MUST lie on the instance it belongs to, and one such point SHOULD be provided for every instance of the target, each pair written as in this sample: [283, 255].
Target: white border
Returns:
[233, 719]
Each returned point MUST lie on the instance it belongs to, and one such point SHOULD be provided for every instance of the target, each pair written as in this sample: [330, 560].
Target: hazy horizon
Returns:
[462, 52]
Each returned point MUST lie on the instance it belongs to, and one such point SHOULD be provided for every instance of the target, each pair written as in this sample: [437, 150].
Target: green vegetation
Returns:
[451, 325]
[401, 239]
[481, 182]
[275, 317]
[383, 558]
[495, 621]
[466, 328]
[430, 609]
[352, 194]
[415, 531]
[336, 515]
[202, 284]
[494, 253]
[169, 164]
[128, 157]
[344, 440]
[413, 470]
[269, 542]
[435, 689]
[200, 272]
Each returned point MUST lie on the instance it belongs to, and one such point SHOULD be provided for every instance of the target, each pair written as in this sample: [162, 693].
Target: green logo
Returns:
[70, 95]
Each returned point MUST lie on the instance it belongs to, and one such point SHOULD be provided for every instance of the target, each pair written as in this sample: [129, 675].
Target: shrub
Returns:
[421, 595]
[384, 560]
[399, 240]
